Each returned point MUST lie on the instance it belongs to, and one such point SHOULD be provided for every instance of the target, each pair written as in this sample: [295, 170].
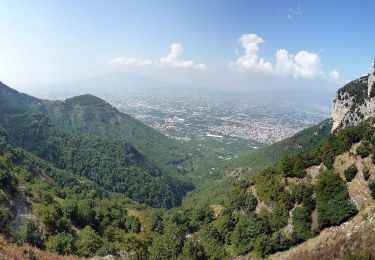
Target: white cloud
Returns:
[171, 60]
[200, 66]
[250, 61]
[334, 75]
[132, 61]
[302, 65]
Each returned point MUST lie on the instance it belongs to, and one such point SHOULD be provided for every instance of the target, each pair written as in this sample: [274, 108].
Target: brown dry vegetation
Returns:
[358, 188]
[353, 237]
[10, 251]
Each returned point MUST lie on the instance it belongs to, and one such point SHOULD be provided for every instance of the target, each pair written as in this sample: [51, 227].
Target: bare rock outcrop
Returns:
[354, 102]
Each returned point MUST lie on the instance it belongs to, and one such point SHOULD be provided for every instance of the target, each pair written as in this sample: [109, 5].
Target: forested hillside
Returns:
[114, 164]
[90, 114]
[88, 192]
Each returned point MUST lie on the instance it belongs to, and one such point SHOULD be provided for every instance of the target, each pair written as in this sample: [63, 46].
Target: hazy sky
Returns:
[292, 43]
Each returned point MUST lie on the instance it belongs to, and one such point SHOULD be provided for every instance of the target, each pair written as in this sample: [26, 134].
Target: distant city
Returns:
[220, 121]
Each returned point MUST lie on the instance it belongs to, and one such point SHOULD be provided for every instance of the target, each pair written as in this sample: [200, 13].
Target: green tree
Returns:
[286, 166]
[193, 250]
[200, 216]
[366, 173]
[246, 232]
[371, 185]
[363, 149]
[263, 245]
[86, 215]
[5, 212]
[350, 172]
[240, 198]
[154, 222]
[88, 242]
[278, 217]
[168, 246]
[5, 177]
[131, 224]
[48, 214]
[301, 223]
[29, 233]
[269, 185]
[69, 208]
[61, 243]
[298, 167]
[332, 200]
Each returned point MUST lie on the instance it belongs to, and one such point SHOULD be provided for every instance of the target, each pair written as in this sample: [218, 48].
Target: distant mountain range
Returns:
[126, 84]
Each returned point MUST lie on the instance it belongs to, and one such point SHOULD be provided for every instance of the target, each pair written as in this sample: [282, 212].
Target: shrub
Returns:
[155, 222]
[61, 243]
[246, 232]
[48, 214]
[335, 212]
[263, 245]
[169, 245]
[286, 166]
[332, 200]
[363, 150]
[200, 216]
[193, 250]
[292, 166]
[239, 198]
[5, 212]
[350, 172]
[366, 173]
[371, 185]
[266, 245]
[29, 233]
[106, 249]
[88, 242]
[269, 185]
[4, 177]
[301, 223]
[278, 217]
[300, 192]
[298, 167]
[131, 224]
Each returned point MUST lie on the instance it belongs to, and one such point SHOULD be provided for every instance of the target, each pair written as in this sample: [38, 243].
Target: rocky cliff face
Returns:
[354, 102]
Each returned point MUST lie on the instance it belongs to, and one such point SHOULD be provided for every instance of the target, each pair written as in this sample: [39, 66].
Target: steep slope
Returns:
[270, 154]
[11, 251]
[304, 194]
[214, 188]
[114, 164]
[354, 102]
[351, 240]
[90, 114]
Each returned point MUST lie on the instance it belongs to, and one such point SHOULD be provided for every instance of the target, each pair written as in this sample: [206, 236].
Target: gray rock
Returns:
[347, 110]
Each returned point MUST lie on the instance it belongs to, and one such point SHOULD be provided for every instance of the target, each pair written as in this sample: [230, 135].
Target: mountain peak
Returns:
[85, 100]
[354, 102]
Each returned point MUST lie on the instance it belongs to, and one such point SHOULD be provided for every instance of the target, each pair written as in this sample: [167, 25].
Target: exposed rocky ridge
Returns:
[354, 102]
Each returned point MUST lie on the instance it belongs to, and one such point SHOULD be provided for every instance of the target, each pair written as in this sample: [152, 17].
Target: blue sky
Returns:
[321, 43]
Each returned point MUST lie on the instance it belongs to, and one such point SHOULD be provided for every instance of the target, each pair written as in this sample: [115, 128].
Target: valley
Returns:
[187, 130]
[101, 182]
[221, 124]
